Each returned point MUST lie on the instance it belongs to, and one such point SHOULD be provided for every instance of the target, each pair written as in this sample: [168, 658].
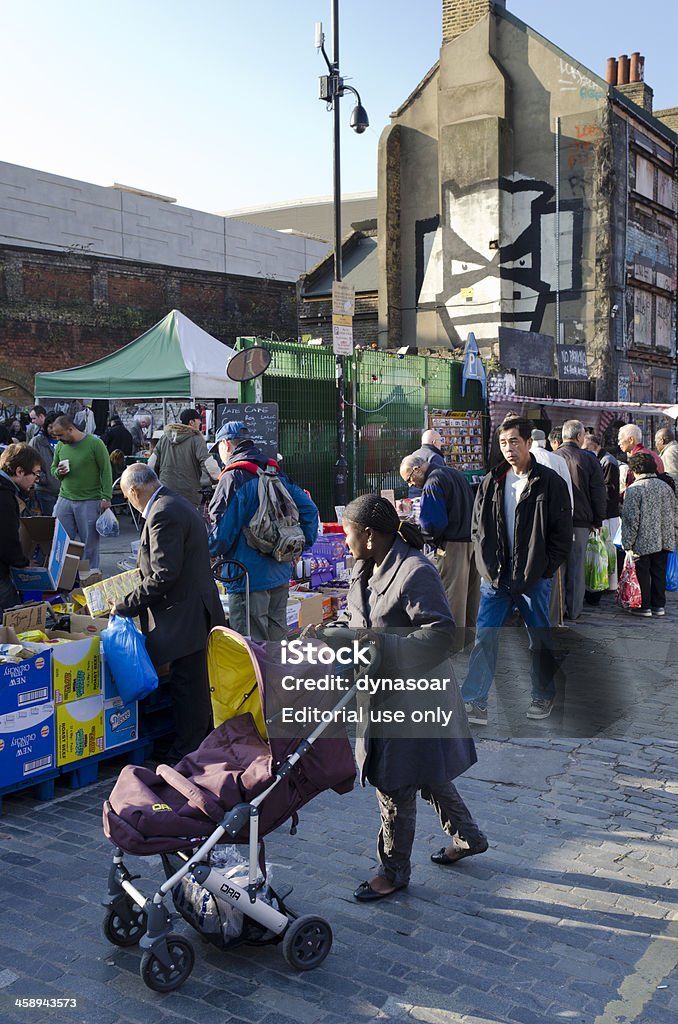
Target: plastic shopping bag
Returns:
[628, 591]
[126, 655]
[672, 571]
[107, 525]
[595, 563]
[611, 550]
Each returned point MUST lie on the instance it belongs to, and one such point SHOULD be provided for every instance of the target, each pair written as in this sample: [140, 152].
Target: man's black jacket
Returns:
[543, 528]
[610, 468]
[588, 485]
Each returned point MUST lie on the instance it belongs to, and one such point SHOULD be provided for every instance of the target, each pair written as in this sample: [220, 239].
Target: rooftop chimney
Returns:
[631, 80]
[461, 15]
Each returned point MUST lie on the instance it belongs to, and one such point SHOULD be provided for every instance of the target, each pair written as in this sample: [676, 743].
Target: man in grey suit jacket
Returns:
[177, 601]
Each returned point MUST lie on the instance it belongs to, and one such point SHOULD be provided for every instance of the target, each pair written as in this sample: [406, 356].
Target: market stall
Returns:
[596, 415]
[174, 359]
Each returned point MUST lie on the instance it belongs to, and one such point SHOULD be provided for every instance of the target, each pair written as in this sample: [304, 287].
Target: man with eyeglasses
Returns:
[522, 532]
[445, 518]
[19, 469]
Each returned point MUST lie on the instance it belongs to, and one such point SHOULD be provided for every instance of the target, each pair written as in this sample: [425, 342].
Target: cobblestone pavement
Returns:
[570, 916]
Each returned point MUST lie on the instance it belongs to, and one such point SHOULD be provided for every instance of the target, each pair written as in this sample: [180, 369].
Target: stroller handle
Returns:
[332, 635]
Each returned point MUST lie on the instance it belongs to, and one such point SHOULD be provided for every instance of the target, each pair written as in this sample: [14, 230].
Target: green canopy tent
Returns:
[174, 359]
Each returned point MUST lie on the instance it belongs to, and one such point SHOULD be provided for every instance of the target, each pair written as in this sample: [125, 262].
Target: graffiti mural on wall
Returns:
[478, 280]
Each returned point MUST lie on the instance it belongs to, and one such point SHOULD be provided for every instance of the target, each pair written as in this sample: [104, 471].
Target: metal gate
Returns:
[387, 399]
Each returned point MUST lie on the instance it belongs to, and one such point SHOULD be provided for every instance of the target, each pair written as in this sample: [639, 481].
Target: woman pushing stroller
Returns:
[396, 591]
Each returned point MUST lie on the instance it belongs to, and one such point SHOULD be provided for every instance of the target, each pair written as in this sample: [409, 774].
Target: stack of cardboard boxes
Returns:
[59, 706]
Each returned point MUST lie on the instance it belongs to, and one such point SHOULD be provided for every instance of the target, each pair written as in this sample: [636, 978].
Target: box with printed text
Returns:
[79, 729]
[27, 743]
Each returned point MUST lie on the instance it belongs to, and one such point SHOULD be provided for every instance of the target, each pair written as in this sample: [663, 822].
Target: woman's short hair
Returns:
[642, 463]
[19, 456]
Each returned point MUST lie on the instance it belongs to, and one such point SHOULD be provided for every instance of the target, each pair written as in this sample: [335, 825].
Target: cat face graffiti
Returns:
[492, 261]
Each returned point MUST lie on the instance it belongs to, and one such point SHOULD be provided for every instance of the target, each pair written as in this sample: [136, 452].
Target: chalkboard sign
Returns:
[527, 352]
[261, 420]
[572, 362]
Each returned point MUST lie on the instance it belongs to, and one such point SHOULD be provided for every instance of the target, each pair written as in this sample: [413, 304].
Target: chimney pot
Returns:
[641, 68]
[611, 74]
[633, 68]
[623, 69]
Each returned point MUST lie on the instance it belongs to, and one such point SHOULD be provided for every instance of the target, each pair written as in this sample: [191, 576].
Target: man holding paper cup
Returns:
[82, 464]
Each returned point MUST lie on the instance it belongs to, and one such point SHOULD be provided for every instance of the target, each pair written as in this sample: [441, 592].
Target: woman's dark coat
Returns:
[404, 602]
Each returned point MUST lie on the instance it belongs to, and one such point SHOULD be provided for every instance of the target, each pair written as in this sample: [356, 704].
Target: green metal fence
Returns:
[387, 402]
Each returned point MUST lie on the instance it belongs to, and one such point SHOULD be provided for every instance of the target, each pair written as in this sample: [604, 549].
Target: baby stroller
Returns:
[236, 788]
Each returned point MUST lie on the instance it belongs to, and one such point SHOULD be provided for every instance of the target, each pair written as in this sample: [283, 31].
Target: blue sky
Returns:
[215, 101]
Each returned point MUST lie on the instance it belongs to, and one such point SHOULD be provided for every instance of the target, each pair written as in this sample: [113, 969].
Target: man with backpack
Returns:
[262, 520]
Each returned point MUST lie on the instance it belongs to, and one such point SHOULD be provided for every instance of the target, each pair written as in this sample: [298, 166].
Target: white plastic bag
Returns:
[107, 525]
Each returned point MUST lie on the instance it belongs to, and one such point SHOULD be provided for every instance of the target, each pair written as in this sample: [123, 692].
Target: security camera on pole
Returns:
[332, 88]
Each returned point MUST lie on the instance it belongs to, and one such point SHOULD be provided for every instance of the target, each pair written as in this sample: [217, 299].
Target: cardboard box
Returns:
[22, 617]
[338, 596]
[71, 567]
[51, 537]
[79, 729]
[121, 723]
[87, 625]
[27, 683]
[292, 615]
[310, 609]
[90, 577]
[76, 667]
[100, 595]
[27, 743]
[331, 546]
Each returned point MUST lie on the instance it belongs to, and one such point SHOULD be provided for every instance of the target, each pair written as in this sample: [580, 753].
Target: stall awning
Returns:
[174, 359]
[561, 409]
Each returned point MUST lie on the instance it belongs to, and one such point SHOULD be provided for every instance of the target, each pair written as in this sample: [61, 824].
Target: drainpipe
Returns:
[557, 239]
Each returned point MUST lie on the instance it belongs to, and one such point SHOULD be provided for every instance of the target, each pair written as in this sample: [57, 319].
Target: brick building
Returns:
[86, 269]
[527, 199]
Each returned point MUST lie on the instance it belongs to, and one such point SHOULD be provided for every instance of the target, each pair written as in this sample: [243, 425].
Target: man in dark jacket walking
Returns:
[177, 601]
[522, 532]
[590, 506]
[445, 519]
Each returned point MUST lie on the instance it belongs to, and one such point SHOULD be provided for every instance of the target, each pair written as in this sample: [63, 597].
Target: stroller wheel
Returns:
[306, 942]
[124, 930]
[165, 979]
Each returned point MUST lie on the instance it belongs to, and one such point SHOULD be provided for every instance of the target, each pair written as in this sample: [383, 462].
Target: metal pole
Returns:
[341, 465]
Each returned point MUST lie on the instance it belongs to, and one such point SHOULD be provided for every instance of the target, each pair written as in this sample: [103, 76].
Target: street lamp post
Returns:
[332, 88]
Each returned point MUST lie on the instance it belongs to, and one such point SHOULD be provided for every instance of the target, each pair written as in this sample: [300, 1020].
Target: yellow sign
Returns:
[340, 320]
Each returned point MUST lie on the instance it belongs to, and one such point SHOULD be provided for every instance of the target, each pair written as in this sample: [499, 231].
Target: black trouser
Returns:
[651, 572]
[191, 704]
[398, 810]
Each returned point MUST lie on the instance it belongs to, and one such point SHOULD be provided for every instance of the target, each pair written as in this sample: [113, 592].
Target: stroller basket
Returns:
[239, 785]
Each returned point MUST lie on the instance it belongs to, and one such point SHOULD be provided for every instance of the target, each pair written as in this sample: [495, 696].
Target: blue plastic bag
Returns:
[672, 571]
[125, 651]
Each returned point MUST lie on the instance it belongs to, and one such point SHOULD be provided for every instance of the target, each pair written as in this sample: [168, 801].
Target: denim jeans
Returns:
[495, 607]
[78, 518]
